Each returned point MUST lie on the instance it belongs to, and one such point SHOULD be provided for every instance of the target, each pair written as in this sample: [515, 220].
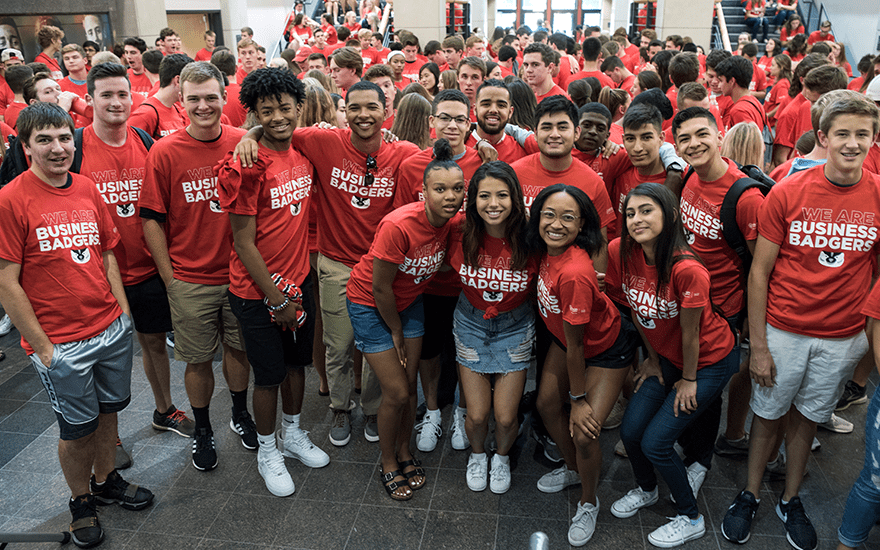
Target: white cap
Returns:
[11, 53]
[873, 90]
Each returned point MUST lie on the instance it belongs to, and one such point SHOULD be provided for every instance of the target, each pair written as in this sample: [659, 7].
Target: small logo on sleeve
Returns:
[215, 207]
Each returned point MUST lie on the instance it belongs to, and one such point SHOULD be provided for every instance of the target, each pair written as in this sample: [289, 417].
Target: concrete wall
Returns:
[856, 25]
[686, 18]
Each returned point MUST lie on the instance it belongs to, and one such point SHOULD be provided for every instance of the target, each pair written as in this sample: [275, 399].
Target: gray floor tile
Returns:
[516, 532]
[40, 456]
[451, 494]
[185, 512]
[13, 444]
[343, 482]
[31, 418]
[454, 530]
[16, 489]
[9, 406]
[224, 477]
[152, 541]
[249, 518]
[314, 524]
[387, 528]
[524, 500]
[22, 386]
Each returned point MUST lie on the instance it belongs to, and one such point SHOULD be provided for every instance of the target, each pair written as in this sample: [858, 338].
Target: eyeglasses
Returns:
[446, 119]
[371, 165]
[551, 216]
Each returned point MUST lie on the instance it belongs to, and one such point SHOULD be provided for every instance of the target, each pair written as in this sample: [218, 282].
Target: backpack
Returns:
[15, 161]
[766, 136]
[754, 178]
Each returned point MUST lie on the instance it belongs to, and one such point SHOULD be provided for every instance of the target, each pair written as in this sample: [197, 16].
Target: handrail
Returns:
[722, 26]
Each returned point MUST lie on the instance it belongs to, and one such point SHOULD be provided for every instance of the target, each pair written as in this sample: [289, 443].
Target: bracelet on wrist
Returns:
[279, 307]
[577, 397]
[688, 379]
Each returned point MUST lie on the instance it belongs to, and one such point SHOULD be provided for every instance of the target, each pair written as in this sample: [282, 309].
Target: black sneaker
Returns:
[244, 426]
[798, 529]
[204, 452]
[176, 422]
[853, 394]
[169, 339]
[732, 447]
[85, 529]
[737, 524]
[116, 490]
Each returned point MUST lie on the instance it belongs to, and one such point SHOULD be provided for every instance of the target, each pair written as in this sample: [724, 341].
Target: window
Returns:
[564, 15]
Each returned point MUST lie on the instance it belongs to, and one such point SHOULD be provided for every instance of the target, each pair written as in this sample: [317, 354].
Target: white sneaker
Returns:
[696, 476]
[459, 437]
[476, 472]
[270, 463]
[429, 432]
[558, 479]
[298, 445]
[5, 325]
[620, 449]
[677, 532]
[628, 505]
[615, 417]
[583, 524]
[837, 425]
[499, 476]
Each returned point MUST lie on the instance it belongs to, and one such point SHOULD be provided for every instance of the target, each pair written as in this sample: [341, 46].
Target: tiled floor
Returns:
[343, 506]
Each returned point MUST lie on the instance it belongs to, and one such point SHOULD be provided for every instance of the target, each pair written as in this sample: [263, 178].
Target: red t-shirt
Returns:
[140, 84]
[404, 237]
[508, 149]
[784, 35]
[6, 95]
[827, 236]
[54, 67]
[620, 188]
[68, 85]
[204, 55]
[568, 291]
[58, 237]
[411, 69]
[633, 57]
[5, 132]
[330, 30]
[607, 169]
[782, 170]
[658, 313]
[759, 79]
[555, 90]
[233, 108]
[119, 174]
[411, 177]
[348, 210]
[534, 178]
[627, 83]
[856, 83]
[816, 36]
[158, 120]
[12, 111]
[776, 98]
[492, 283]
[180, 183]
[276, 191]
[701, 214]
[603, 78]
[794, 121]
[872, 161]
[764, 63]
[724, 104]
[872, 305]
[746, 109]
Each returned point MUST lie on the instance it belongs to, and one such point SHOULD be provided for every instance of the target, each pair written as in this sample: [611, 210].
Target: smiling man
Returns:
[179, 193]
[268, 207]
[493, 111]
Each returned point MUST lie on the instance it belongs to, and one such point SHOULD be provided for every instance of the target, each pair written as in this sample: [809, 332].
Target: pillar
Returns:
[692, 18]
[425, 18]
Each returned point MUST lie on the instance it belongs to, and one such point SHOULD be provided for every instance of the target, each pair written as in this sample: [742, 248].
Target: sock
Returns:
[700, 466]
[504, 459]
[783, 502]
[460, 411]
[267, 442]
[433, 414]
[696, 521]
[99, 485]
[289, 421]
[479, 456]
[239, 401]
[201, 417]
[168, 412]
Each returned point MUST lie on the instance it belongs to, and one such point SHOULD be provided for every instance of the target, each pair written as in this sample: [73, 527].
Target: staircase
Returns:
[734, 14]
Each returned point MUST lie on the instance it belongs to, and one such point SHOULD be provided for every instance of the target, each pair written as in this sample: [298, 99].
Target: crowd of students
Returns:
[371, 211]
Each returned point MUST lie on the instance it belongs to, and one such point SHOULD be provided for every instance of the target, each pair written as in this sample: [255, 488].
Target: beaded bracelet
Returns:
[283, 305]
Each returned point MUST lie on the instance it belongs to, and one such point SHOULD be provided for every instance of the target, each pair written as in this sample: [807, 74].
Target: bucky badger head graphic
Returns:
[215, 207]
[492, 296]
[646, 322]
[689, 236]
[295, 209]
[80, 256]
[360, 202]
[420, 279]
[831, 259]
[125, 210]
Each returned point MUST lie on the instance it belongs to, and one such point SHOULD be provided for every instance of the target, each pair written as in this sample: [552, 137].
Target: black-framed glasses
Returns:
[371, 165]
[459, 120]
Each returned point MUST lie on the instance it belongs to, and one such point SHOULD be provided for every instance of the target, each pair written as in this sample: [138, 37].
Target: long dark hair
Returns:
[590, 236]
[474, 230]
[671, 246]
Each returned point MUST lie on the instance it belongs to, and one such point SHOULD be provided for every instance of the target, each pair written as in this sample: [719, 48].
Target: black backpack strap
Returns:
[77, 150]
[688, 173]
[14, 162]
[146, 138]
[730, 229]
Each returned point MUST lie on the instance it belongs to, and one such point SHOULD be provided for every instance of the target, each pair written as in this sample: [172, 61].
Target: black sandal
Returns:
[416, 472]
[391, 486]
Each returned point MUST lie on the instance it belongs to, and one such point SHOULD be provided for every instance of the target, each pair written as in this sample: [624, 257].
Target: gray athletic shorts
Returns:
[89, 377]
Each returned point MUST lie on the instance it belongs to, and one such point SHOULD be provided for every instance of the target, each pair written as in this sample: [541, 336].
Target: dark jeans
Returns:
[650, 428]
[755, 23]
[781, 17]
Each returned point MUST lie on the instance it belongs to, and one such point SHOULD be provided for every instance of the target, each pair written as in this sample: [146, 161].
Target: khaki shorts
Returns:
[201, 316]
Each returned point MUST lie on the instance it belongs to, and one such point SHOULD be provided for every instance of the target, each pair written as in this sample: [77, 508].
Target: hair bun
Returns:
[443, 150]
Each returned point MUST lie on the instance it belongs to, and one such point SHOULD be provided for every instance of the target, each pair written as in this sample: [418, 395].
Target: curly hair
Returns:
[270, 82]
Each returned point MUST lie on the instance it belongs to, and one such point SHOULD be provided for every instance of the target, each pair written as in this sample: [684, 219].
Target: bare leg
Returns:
[798, 439]
[740, 392]
[508, 391]
[265, 403]
[292, 390]
[429, 372]
[476, 423]
[319, 350]
[552, 393]
[157, 368]
[236, 369]
[357, 368]
[77, 457]
[762, 444]
[199, 381]
[105, 446]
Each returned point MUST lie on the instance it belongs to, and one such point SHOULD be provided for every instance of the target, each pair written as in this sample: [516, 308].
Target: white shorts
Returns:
[810, 374]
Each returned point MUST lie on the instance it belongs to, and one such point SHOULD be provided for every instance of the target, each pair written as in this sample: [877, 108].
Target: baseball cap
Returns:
[11, 53]
[302, 54]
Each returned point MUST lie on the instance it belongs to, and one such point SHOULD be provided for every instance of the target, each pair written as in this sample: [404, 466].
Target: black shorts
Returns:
[620, 354]
[149, 306]
[271, 350]
[439, 311]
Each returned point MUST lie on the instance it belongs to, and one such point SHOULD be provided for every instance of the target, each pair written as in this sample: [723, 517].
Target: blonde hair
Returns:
[318, 105]
[744, 144]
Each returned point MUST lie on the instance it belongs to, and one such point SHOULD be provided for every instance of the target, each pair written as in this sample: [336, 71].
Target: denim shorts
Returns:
[372, 335]
[493, 346]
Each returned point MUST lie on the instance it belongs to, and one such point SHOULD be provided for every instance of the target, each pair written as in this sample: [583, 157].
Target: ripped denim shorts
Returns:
[493, 346]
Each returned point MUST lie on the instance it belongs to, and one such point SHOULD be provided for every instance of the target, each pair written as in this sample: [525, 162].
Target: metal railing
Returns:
[638, 23]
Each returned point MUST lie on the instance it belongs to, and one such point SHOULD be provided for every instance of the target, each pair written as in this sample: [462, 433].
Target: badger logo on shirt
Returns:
[831, 259]
[646, 322]
[360, 202]
[81, 255]
[492, 296]
[689, 236]
[421, 279]
[215, 207]
[125, 210]
[295, 209]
